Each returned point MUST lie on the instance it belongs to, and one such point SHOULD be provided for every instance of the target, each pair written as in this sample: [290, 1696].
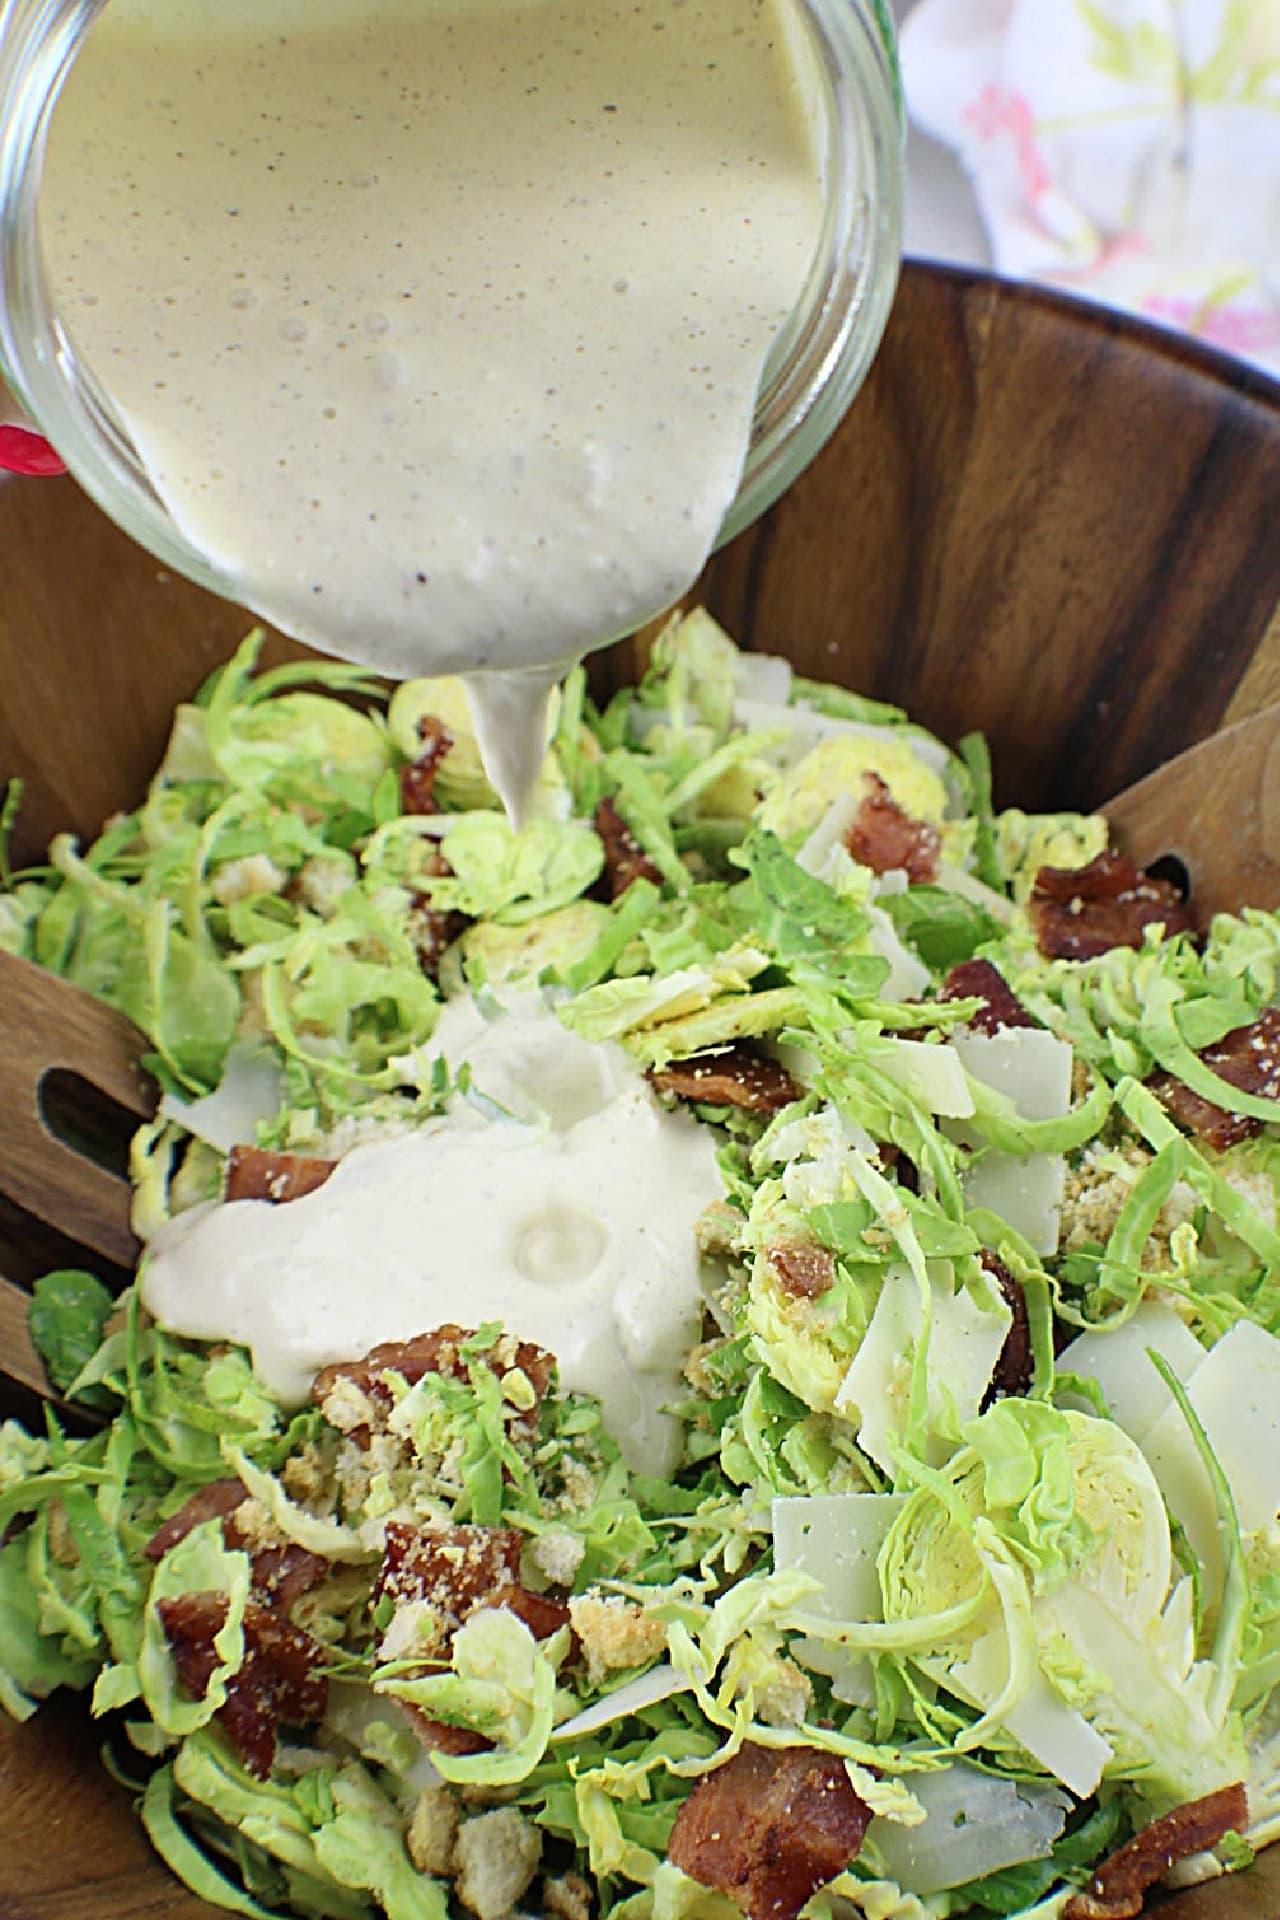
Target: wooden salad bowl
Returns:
[1039, 519]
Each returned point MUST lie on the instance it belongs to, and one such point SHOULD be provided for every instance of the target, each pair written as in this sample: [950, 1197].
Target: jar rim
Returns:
[818, 361]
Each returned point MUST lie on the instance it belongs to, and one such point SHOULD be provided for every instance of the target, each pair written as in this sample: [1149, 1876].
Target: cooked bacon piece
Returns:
[883, 837]
[769, 1828]
[1015, 1368]
[805, 1270]
[436, 1352]
[458, 1571]
[279, 1682]
[1248, 1058]
[1116, 1889]
[541, 1612]
[979, 980]
[730, 1077]
[439, 1737]
[280, 1574]
[256, 1173]
[453, 1569]
[625, 859]
[1078, 912]
[214, 1502]
[418, 779]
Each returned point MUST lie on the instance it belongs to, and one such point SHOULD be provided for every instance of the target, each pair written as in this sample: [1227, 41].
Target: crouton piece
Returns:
[496, 1856]
[615, 1633]
[433, 1831]
[567, 1897]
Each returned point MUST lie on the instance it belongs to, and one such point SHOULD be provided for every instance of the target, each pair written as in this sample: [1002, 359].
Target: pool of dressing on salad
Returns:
[493, 1211]
[438, 324]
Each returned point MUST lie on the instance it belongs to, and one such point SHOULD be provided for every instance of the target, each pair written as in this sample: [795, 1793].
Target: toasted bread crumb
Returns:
[615, 1633]
[496, 1857]
[433, 1831]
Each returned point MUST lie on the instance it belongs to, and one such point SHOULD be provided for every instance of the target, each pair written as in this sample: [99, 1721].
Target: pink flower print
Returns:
[1251, 331]
[1000, 110]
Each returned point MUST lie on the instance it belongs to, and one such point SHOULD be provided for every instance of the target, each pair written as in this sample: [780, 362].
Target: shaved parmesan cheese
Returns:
[836, 1538]
[975, 1823]
[1033, 1069]
[956, 880]
[251, 1090]
[1131, 1387]
[965, 1339]
[908, 975]
[932, 1075]
[1025, 1192]
[1027, 1065]
[1051, 1732]
[762, 676]
[658, 1684]
[1236, 1394]
[817, 1151]
[829, 832]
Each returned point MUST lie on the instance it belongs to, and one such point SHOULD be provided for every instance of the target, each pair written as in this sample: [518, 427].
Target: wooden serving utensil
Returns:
[1216, 810]
[72, 1091]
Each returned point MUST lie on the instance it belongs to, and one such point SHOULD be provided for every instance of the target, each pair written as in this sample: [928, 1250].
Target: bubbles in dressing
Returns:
[438, 324]
[573, 1222]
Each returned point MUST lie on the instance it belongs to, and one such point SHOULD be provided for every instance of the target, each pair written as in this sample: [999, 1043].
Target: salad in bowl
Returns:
[713, 1353]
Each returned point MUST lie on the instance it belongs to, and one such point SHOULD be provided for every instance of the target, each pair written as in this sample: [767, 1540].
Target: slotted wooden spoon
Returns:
[1215, 809]
[72, 1090]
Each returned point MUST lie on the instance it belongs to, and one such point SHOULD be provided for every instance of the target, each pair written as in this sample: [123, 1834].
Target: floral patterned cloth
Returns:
[1125, 150]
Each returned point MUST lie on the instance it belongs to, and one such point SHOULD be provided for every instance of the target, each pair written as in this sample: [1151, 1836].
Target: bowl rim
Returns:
[1187, 350]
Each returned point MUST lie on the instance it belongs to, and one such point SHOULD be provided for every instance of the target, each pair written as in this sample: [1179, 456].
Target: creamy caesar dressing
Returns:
[438, 324]
[556, 1196]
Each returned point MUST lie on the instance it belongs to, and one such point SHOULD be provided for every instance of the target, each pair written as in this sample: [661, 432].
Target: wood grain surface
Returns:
[1037, 520]
[54, 1032]
[1215, 809]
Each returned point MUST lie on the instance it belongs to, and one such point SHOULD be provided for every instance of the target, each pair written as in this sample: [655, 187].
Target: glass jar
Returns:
[816, 365]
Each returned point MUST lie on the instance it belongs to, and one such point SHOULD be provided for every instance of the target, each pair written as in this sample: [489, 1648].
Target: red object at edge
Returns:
[29, 453]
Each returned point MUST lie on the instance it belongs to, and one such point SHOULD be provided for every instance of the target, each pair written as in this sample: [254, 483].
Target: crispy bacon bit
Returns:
[278, 1683]
[1248, 1058]
[1116, 1889]
[979, 980]
[459, 1570]
[769, 1828]
[280, 1574]
[1015, 1368]
[542, 1613]
[884, 838]
[439, 1737]
[215, 1502]
[1078, 912]
[805, 1270]
[625, 859]
[731, 1077]
[256, 1173]
[418, 779]
[436, 1352]
[452, 1568]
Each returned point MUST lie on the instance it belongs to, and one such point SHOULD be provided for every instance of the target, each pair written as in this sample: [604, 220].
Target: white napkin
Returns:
[1125, 150]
